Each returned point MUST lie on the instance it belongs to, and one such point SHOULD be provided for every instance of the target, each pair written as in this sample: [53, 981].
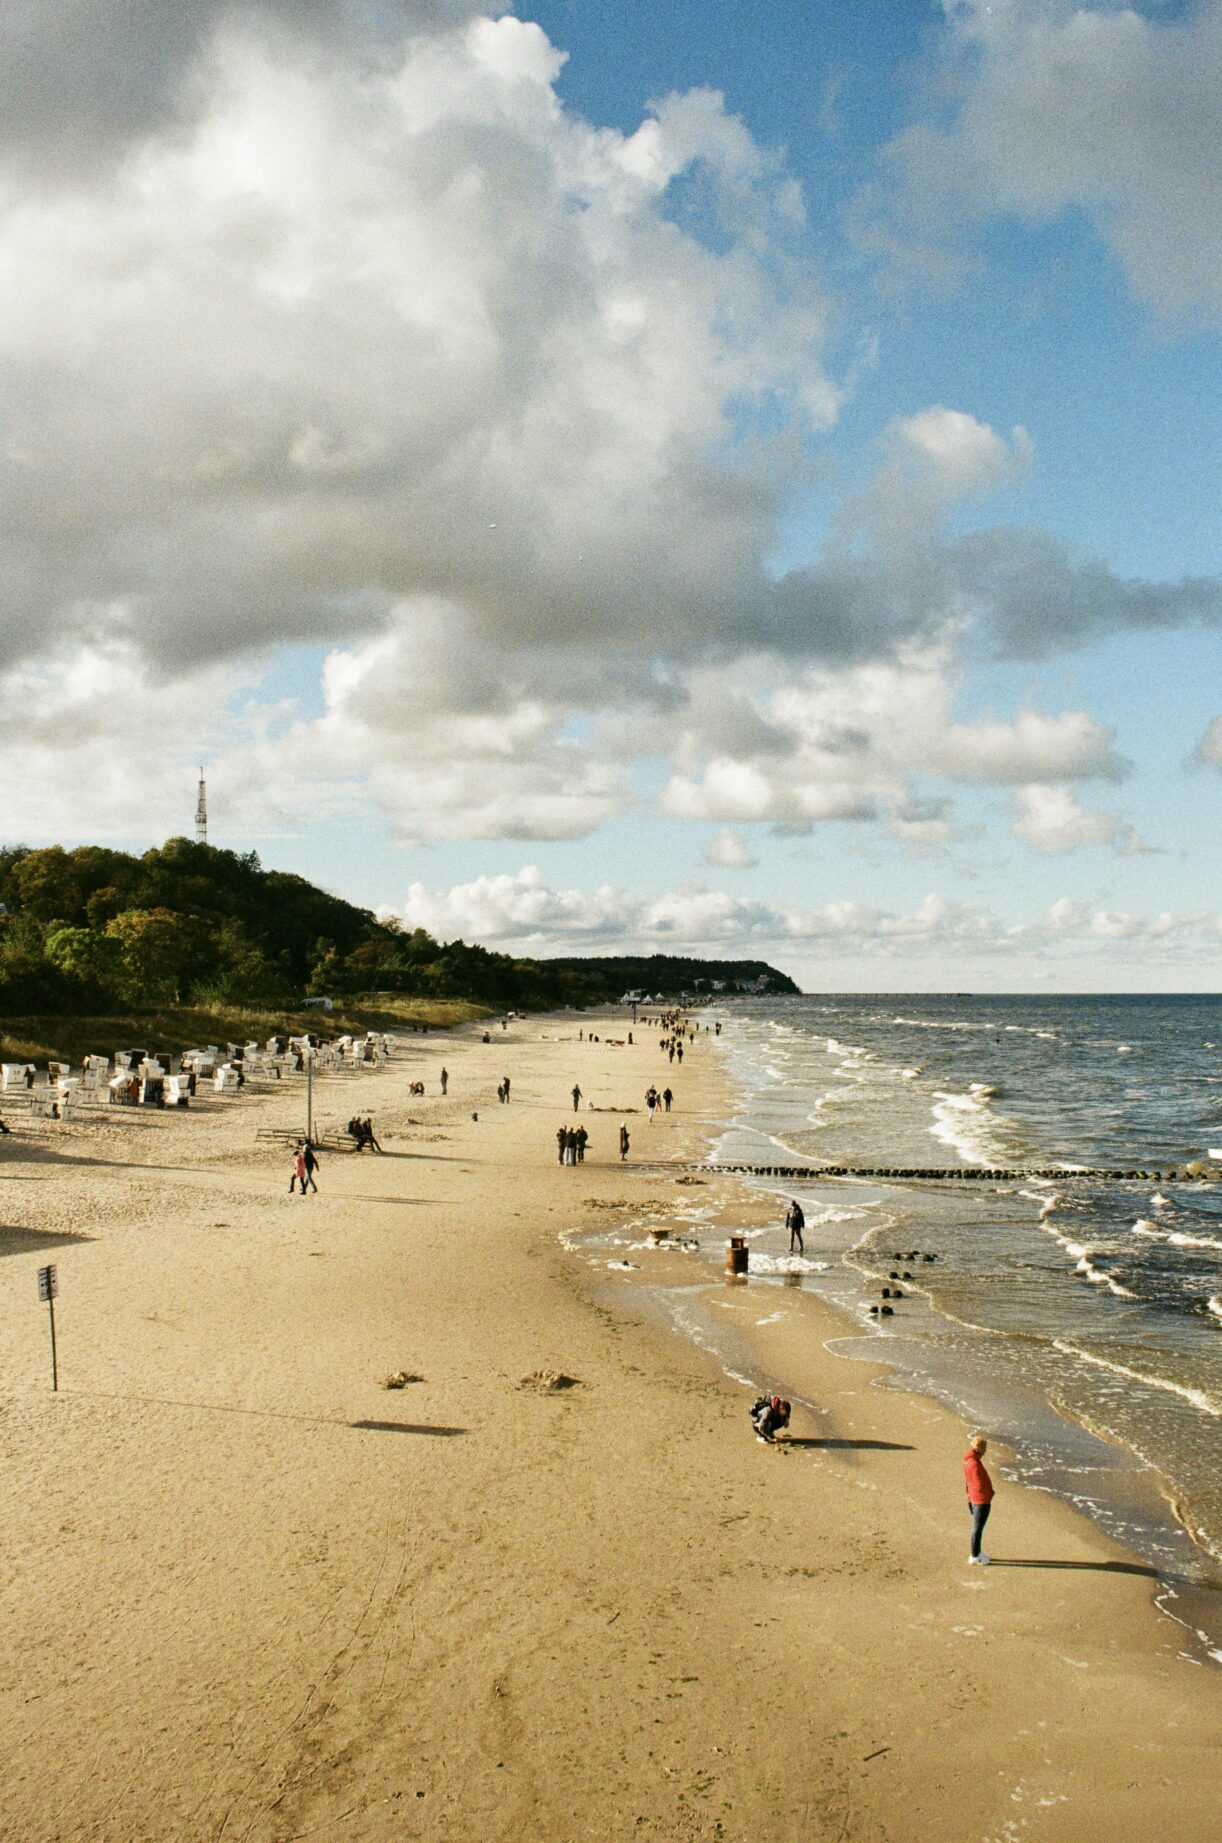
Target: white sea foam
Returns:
[1098, 1277]
[920, 1023]
[966, 1122]
[1178, 1238]
[1051, 1204]
[1124, 1049]
[1197, 1397]
[1159, 1201]
[1215, 1305]
[785, 1263]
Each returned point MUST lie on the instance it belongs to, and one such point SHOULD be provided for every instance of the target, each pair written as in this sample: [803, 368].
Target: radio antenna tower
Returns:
[201, 813]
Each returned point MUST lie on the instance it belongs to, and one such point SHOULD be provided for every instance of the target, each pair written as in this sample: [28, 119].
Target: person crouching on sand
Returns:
[769, 1417]
[979, 1493]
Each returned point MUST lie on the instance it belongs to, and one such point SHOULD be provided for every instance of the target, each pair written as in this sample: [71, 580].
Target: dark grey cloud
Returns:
[1024, 593]
[84, 79]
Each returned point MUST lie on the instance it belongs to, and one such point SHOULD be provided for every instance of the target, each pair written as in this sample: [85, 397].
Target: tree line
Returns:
[88, 930]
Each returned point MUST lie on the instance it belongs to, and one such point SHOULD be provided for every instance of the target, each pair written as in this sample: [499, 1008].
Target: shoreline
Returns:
[256, 1595]
[1135, 1483]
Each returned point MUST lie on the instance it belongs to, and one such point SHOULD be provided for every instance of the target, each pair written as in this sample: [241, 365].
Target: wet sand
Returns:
[252, 1594]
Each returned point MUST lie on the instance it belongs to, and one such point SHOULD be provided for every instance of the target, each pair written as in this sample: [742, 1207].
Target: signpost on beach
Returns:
[48, 1289]
[310, 1091]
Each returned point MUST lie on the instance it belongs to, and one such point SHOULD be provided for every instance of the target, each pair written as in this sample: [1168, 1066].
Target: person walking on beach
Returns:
[576, 1097]
[570, 1147]
[505, 1086]
[583, 1139]
[299, 1171]
[667, 1098]
[795, 1222]
[979, 1494]
[623, 1143]
[311, 1165]
[561, 1136]
[445, 1078]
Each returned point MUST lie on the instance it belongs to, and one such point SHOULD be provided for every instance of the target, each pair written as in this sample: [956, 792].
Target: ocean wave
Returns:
[966, 1123]
[920, 1023]
[1178, 1238]
[1197, 1397]
[1098, 1277]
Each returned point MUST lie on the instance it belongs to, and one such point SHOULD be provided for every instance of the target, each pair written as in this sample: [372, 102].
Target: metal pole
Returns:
[54, 1362]
[310, 1092]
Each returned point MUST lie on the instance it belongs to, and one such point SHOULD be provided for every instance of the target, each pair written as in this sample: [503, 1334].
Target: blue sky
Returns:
[617, 476]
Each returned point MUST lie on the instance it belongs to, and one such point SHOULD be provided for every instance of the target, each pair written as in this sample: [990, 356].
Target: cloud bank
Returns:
[522, 913]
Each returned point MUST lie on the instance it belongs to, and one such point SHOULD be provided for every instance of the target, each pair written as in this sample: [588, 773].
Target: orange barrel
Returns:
[736, 1254]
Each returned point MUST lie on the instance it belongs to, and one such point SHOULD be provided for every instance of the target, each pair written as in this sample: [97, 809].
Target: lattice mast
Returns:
[201, 813]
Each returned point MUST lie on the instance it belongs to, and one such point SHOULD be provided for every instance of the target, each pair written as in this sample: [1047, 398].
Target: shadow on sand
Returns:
[853, 1446]
[1086, 1567]
[441, 1433]
[14, 1240]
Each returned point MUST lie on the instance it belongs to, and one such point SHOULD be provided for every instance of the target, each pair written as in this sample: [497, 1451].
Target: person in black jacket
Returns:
[768, 1416]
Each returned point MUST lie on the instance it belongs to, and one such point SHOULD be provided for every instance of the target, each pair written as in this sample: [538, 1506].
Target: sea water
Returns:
[1079, 1318]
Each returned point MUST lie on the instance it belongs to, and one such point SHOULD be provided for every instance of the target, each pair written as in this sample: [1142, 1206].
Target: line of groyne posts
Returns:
[977, 1173]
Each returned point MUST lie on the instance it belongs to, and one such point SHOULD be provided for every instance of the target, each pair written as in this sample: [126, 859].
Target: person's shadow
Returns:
[854, 1446]
[1087, 1567]
[441, 1433]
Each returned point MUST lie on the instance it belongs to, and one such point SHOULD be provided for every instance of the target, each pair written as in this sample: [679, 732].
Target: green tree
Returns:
[327, 973]
[158, 950]
[47, 885]
[94, 959]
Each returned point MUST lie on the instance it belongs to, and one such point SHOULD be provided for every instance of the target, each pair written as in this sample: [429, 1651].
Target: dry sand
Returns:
[250, 1594]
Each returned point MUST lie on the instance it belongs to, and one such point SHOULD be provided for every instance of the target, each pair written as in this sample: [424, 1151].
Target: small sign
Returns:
[48, 1283]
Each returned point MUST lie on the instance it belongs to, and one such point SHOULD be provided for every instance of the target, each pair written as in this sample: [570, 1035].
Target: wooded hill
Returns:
[91, 930]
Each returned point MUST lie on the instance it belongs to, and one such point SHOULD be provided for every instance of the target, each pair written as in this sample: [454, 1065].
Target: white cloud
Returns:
[844, 745]
[362, 330]
[1051, 821]
[961, 453]
[521, 913]
[728, 850]
[1058, 106]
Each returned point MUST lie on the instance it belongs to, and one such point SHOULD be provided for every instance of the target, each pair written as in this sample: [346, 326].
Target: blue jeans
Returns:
[980, 1516]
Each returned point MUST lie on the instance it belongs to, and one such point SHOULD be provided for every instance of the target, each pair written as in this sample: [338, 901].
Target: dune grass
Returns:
[176, 1028]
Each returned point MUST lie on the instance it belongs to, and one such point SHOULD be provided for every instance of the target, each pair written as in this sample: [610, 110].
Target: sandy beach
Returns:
[249, 1593]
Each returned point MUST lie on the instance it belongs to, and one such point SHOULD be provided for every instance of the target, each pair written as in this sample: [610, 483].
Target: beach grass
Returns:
[174, 1028]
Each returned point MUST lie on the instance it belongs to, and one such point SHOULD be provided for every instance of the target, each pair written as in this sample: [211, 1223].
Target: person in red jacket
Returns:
[979, 1493]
